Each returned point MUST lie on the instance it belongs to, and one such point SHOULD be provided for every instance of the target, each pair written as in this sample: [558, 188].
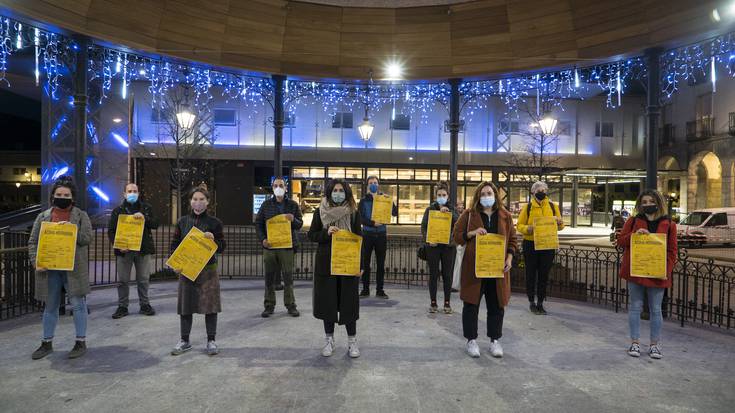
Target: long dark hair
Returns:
[348, 193]
[476, 197]
[64, 181]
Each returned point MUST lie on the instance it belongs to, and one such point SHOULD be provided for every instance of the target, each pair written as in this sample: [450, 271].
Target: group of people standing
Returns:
[336, 299]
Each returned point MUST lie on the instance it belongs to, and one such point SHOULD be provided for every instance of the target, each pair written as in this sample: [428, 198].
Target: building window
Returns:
[401, 122]
[608, 129]
[158, 115]
[564, 128]
[19, 171]
[289, 120]
[38, 171]
[225, 117]
[507, 127]
[342, 120]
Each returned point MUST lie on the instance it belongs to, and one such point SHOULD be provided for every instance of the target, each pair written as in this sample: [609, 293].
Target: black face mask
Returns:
[62, 203]
[650, 209]
[540, 195]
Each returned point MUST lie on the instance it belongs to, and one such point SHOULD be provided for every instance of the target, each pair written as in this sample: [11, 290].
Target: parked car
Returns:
[708, 226]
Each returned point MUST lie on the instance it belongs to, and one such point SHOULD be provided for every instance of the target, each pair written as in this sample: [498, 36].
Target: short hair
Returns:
[201, 189]
[657, 198]
[441, 186]
[64, 181]
[539, 185]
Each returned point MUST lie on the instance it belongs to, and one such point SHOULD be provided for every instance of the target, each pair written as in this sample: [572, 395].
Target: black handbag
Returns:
[421, 253]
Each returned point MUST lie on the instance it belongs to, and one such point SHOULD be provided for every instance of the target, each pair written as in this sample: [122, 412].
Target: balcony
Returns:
[702, 128]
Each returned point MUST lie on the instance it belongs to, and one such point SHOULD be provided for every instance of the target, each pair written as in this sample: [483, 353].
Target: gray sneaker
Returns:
[212, 348]
[181, 348]
[655, 352]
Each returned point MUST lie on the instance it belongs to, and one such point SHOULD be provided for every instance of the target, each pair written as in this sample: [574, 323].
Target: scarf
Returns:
[338, 216]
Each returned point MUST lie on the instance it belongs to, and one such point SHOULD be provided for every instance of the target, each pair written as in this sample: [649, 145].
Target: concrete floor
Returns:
[573, 360]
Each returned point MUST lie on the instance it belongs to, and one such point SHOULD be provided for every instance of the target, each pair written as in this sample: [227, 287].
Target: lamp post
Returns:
[17, 191]
[366, 127]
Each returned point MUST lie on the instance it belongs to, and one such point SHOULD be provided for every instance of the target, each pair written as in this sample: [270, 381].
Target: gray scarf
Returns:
[338, 216]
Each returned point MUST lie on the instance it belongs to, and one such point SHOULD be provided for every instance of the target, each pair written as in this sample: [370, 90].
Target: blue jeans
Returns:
[655, 297]
[57, 280]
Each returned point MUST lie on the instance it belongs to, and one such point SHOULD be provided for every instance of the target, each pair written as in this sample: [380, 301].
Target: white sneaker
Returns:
[496, 349]
[473, 349]
[181, 348]
[328, 347]
[353, 350]
[655, 352]
[634, 350]
[212, 348]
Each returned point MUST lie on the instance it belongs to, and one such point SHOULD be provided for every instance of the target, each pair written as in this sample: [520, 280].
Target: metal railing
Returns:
[703, 291]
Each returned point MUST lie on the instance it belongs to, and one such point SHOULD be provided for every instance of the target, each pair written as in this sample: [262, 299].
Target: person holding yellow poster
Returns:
[374, 238]
[277, 225]
[49, 283]
[335, 296]
[436, 230]
[538, 259]
[140, 216]
[650, 218]
[201, 296]
[484, 216]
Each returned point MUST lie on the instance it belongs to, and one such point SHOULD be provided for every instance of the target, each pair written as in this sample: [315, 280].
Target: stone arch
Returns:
[704, 181]
[666, 163]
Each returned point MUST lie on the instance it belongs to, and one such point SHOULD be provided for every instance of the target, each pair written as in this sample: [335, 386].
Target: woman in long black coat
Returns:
[335, 297]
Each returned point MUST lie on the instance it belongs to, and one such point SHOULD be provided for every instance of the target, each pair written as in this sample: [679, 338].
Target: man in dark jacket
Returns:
[125, 259]
[374, 237]
[275, 260]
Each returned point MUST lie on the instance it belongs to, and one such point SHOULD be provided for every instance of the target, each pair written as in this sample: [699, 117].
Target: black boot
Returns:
[43, 351]
[80, 347]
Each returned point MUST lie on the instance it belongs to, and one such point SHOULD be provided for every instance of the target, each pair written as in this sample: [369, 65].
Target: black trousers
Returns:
[379, 243]
[538, 266]
[441, 262]
[210, 321]
[351, 328]
[495, 313]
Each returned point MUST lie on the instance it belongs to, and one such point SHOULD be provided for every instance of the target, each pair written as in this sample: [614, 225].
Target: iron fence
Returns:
[702, 291]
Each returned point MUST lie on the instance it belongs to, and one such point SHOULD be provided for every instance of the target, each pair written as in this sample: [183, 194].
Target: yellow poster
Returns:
[648, 255]
[382, 209]
[346, 248]
[439, 228]
[545, 235]
[129, 233]
[192, 254]
[278, 229]
[57, 246]
[490, 253]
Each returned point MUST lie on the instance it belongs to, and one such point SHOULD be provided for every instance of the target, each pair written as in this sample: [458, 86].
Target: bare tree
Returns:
[539, 155]
[186, 147]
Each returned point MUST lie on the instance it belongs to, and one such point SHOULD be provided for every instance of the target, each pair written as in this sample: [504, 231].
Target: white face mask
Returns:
[487, 201]
[279, 191]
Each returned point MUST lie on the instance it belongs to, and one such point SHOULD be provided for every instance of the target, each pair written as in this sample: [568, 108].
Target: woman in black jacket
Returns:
[336, 298]
[440, 254]
[201, 296]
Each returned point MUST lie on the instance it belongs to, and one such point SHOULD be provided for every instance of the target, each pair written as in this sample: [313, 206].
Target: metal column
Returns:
[278, 123]
[453, 137]
[80, 122]
[653, 112]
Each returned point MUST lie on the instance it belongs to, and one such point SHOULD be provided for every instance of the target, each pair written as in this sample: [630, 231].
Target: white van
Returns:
[708, 226]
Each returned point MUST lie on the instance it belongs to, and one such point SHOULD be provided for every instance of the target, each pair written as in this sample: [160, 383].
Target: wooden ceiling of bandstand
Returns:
[473, 39]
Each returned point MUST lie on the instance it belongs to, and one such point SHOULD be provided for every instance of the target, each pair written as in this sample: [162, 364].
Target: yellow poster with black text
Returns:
[545, 233]
[129, 233]
[490, 253]
[346, 248]
[278, 229]
[192, 254]
[439, 228]
[57, 246]
[382, 209]
[648, 255]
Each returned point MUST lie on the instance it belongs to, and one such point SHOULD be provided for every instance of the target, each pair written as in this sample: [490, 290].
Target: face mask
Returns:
[198, 206]
[441, 200]
[487, 201]
[338, 197]
[279, 191]
[374, 188]
[540, 195]
[131, 198]
[62, 203]
[650, 209]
